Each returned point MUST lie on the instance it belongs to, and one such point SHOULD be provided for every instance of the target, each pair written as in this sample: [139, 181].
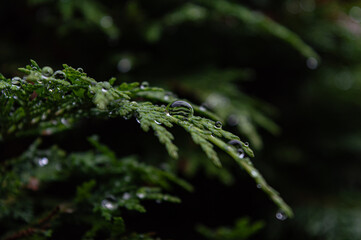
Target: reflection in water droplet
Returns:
[144, 85]
[47, 71]
[312, 63]
[43, 161]
[138, 121]
[246, 144]
[181, 109]
[254, 173]
[157, 122]
[124, 65]
[106, 21]
[259, 186]
[281, 216]
[104, 90]
[218, 125]
[80, 70]
[59, 75]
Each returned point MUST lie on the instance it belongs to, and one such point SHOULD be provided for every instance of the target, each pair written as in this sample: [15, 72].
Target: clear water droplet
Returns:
[124, 65]
[181, 109]
[110, 203]
[43, 161]
[104, 90]
[16, 80]
[144, 85]
[138, 121]
[254, 173]
[218, 125]
[241, 153]
[47, 71]
[246, 144]
[126, 196]
[259, 186]
[312, 63]
[232, 120]
[157, 122]
[80, 70]
[238, 146]
[166, 97]
[141, 195]
[59, 75]
[280, 215]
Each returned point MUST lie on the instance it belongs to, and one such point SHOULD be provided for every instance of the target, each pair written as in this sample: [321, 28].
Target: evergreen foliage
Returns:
[282, 75]
[44, 102]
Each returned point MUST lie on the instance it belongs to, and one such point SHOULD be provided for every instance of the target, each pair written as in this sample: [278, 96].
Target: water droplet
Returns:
[259, 186]
[238, 146]
[110, 203]
[232, 120]
[124, 65]
[43, 161]
[140, 195]
[104, 90]
[166, 97]
[47, 71]
[254, 173]
[138, 121]
[246, 144]
[218, 125]
[80, 70]
[241, 153]
[106, 22]
[144, 85]
[16, 80]
[312, 63]
[181, 109]
[59, 75]
[157, 122]
[126, 196]
[280, 215]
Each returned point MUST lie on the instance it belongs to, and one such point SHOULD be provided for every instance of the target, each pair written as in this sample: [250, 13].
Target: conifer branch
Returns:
[47, 102]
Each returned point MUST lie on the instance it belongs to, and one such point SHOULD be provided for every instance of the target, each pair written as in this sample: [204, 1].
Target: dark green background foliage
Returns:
[282, 75]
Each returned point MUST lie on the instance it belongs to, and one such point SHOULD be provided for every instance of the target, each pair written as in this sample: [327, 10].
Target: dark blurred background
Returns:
[299, 108]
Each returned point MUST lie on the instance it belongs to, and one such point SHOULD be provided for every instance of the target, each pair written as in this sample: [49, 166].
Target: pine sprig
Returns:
[44, 102]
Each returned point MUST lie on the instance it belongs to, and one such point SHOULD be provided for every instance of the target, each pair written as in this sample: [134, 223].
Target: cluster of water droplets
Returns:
[180, 109]
[238, 145]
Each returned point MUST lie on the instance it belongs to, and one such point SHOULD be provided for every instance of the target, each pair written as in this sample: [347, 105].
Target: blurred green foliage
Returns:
[284, 74]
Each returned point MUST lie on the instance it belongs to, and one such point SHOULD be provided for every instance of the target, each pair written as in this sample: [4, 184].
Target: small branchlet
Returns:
[43, 103]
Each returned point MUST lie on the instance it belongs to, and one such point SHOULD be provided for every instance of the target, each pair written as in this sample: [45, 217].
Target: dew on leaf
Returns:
[109, 203]
[218, 125]
[43, 161]
[126, 196]
[140, 195]
[47, 71]
[80, 70]
[144, 85]
[59, 75]
[181, 109]
[280, 215]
